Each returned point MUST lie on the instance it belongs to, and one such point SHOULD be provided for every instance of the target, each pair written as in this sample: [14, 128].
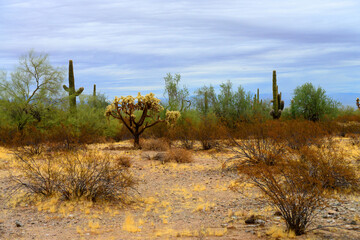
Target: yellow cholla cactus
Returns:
[145, 107]
[172, 117]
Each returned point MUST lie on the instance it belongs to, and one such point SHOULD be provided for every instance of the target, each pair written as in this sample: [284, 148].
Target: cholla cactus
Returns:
[148, 107]
[358, 103]
[172, 117]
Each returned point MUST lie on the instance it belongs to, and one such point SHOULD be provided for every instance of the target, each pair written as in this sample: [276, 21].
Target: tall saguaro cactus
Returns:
[94, 92]
[278, 104]
[71, 89]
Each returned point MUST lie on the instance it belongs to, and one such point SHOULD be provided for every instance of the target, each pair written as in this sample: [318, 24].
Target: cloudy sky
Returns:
[129, 46]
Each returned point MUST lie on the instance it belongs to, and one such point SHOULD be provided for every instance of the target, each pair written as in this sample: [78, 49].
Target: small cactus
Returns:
[71, 89]
[257, 100]
[278, 104]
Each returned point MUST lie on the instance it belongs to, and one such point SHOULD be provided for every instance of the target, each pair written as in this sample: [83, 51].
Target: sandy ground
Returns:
[174, 201]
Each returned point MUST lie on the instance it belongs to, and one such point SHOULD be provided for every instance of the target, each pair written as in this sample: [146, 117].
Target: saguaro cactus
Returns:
[257, 100]
[358, 103]
[94, 92]
[278, 104]
[71, 89]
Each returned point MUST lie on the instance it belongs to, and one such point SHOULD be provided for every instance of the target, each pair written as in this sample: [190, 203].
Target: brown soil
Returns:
[174, 201]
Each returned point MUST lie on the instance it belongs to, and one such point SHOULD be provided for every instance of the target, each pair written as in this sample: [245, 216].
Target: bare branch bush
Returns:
[296, 180]
[81, 175]
[259, 143]
[290, 188]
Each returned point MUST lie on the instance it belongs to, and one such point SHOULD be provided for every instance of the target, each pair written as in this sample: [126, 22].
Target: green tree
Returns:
[233, 106]
[312, 103]
[176, 98]
[205, 100]
[33, 85]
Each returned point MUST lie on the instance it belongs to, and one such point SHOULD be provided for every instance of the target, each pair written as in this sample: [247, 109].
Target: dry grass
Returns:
[179, 156]
[154, 144]
[123, 161]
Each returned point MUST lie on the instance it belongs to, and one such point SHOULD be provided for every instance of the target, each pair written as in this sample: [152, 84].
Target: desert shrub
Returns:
[124, 161]
[185, 129]
[259, 143]
[65, 137]
[208, 130]
[301, 180]
[330, 167]
[179, 156]
[300, 133]
[154, 144]
[346, 128]
[31, 141]
[348, 114]
[82, 175]
[291, 189]
[185, 133]
[312, 103]
[354, 139]
[158, 131]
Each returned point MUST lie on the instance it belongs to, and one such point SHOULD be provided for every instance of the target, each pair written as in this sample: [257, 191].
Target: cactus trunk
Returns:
[71, 89]
[278, 104]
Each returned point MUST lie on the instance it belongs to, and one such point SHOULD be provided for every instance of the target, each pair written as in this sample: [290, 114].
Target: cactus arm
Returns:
[78, 92]
[66, 88]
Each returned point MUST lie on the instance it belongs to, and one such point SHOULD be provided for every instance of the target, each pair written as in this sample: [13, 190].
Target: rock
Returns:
[353, 222]
[277, 213]
[18, 224]
[250, 220]
[331, 212]
[224, 225]
[161, 156]
[260, 222]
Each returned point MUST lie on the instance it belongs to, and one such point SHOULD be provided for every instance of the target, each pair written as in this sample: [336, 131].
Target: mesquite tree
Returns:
[33, 87]
[147, 109]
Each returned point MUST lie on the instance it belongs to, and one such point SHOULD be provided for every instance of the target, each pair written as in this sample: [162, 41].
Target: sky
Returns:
[125, 47]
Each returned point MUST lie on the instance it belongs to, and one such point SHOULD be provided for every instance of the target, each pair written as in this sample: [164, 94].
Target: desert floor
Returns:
[173, 201]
